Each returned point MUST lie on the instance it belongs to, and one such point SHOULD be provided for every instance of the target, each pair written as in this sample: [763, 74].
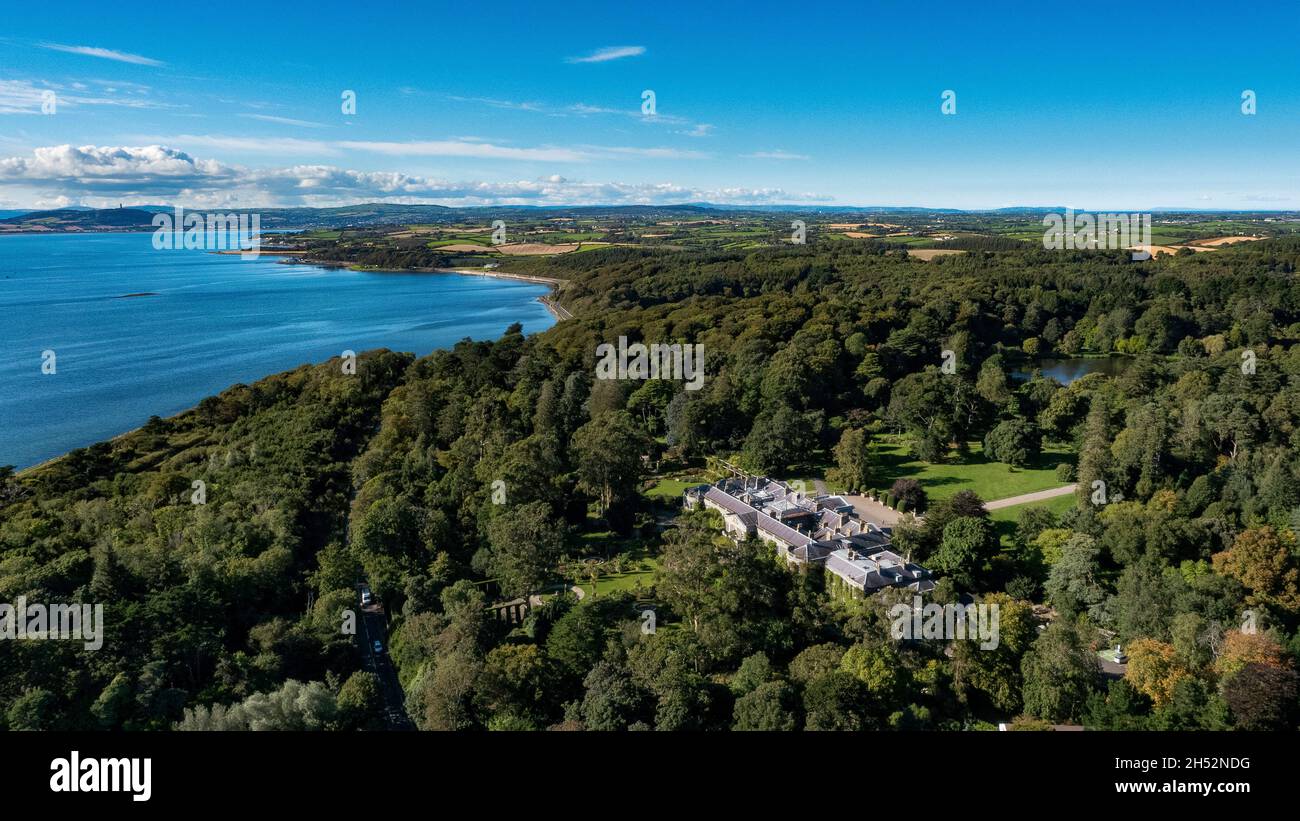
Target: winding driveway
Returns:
[887, 517]
[1026, 498]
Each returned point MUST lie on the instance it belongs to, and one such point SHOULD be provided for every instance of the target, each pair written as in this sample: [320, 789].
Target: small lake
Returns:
[1067, 370]
[140, 332]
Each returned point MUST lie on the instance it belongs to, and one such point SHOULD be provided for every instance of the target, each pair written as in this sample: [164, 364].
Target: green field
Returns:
[989, 480]
[1057, 505]
[638, 566]
[669, 489]
[643, 571]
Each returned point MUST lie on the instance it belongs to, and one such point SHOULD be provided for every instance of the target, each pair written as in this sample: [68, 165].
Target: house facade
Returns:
[822, 532]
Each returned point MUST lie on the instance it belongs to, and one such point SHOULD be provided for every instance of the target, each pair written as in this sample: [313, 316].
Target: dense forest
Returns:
[488, 472]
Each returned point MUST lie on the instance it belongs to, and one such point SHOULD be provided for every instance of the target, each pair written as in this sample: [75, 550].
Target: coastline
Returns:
[64, 455]
[548, 301]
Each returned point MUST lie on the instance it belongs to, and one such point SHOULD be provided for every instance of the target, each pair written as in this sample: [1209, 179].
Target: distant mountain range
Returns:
[140, 218]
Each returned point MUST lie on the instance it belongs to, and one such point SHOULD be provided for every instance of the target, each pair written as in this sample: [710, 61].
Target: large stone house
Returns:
[818, 532]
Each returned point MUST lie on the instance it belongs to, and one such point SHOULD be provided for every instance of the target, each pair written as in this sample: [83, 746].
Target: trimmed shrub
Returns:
[910, 492]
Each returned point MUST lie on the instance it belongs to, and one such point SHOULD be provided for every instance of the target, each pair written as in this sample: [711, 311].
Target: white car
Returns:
[365, 597]
[379, 646]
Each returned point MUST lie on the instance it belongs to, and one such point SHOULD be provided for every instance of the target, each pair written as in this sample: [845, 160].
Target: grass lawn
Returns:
[990, 480]
[640, 565]
[670, 489]
[1057, 505]
[643, 570]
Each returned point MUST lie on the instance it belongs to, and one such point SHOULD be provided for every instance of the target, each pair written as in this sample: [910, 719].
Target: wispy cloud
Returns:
[651, 153]
[463, 147]
[700, 130]
[604, 55]
[25, 97]
[268, 118]
[583, 109]
[480, 149]
[490, 101]
[105, 53]
[246, 145]
[775, 155]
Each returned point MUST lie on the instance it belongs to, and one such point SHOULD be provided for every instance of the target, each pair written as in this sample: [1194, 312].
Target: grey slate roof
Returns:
[850, 548]
[750, 515]
[882, 568]
[727, 502]
[785, 533]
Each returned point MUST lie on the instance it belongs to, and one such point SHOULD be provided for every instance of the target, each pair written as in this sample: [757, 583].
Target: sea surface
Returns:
[138, 332]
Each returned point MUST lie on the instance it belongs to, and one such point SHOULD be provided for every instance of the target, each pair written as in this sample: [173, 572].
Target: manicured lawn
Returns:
[990, 480]
[601, 547]
[669, 489]
[642, 570]
[1057, 505]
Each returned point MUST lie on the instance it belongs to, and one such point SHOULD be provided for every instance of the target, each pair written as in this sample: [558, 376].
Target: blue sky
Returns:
[500, 102]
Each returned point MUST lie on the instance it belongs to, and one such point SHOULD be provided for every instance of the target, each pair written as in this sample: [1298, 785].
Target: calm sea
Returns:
[208, 322]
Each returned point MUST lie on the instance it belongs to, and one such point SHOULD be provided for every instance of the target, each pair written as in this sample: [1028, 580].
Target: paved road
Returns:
[1026, 498]
[560, 312]
[885, 517]
[374, 625]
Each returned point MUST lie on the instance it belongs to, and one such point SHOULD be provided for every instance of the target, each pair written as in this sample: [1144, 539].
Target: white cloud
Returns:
[155, 174]
[604, 55]
[105, 53]
[496, 103]
[775, 155]
[651, 153]
[583, 109]
[55, 203]
[700, 130]
[464, 148]
[25, 97]
[89, 167]
[251, 145]
[268, 118]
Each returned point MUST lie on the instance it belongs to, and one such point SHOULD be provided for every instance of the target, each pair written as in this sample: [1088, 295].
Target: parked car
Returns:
[365, 597]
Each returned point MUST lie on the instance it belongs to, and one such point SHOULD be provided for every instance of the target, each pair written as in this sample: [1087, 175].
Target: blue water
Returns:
[215, 321]
[1067, 370]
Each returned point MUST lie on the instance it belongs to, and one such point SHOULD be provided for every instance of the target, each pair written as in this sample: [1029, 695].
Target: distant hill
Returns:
[71, 219]
[366, 214]
[140, 218]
